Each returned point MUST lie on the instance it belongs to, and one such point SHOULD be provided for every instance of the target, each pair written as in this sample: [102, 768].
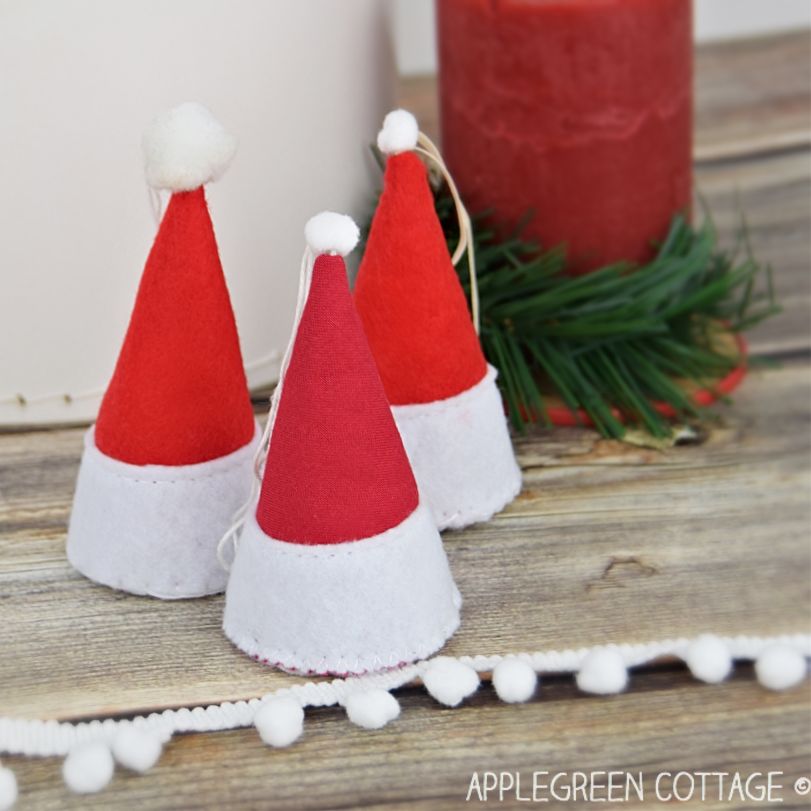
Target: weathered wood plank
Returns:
[426, 758]
[752, 96]
[773, 193]
[606, 542]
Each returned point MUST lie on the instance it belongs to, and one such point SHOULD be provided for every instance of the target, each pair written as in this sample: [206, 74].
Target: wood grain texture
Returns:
[764, 74]
[773, 192]
[607, 542]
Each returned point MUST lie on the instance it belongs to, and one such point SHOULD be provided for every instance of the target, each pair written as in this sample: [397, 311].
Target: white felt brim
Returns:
[342, 608]
[461, 454]
[152, 529]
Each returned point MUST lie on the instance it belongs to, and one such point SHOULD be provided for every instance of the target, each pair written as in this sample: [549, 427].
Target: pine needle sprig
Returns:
[621, 337]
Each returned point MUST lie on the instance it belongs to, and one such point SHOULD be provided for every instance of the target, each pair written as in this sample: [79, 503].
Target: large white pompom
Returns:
[514, 680]
[372, 709]
[136, 748]
[399, 133]
[329, 232]
[708, 659]
[88, 768]
[185, 148]
[602, 672]
[780, 667]
[449, 681]
[8, 789]
[279, 721]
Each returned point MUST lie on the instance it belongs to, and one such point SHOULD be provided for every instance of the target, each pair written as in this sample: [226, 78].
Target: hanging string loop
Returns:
[231, 536]
[426, 147]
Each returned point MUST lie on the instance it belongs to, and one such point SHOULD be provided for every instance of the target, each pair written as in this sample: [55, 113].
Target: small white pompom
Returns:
[514, 680]
[399, 133]
[603, 672]
[185, 148]
[136, 748]
[329, 232]
[449, 681]
[372, 709]
[88, 768]
[708, 659]
[279, 721]
[780, 667]
[8, 789]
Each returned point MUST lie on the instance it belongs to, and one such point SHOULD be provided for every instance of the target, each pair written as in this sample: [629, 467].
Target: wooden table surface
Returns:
[607, 543]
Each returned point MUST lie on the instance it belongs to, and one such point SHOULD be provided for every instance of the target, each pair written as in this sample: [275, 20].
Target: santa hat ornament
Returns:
[442, 391]
[171, 455]
[339, 568]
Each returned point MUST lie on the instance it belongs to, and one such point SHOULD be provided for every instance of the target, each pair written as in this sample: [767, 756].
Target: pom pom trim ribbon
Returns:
[781, 662]
[38, 738]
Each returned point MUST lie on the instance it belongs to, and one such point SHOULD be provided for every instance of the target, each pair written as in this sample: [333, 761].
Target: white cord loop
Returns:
[156, 204]
[231, 536]
[428, 148]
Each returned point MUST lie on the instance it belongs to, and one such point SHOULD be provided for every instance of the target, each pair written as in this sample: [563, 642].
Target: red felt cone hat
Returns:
[336, 468]
[178, 395]
[339, 568]
[409, 296]
[416, 319]
[169, 459]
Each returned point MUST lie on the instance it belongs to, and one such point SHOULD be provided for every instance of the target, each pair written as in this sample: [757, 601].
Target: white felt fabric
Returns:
[461, 454]
[154, 529]
[342, 608]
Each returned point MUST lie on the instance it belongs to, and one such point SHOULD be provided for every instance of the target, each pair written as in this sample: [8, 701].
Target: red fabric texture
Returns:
[336, 468]
[409, 297]
[178, 395]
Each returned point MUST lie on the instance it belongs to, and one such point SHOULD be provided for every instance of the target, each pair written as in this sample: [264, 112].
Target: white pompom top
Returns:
[329, 232]
[399, 133]
[186, 147]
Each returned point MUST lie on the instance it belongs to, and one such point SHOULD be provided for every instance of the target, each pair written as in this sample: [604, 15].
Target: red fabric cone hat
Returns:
[409, 297]
[336, 468]
[170, 457]
[415, 315]
[339, 569]
[178, 395]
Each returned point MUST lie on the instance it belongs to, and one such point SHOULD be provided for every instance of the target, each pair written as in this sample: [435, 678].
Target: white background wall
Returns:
[79, 81]
[715, 19]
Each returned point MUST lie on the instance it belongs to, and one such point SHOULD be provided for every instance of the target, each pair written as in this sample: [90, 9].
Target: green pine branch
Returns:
[620, 337]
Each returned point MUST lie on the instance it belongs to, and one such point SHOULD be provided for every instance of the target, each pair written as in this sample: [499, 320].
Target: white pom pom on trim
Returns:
[8, 789]
[709, 659]
[780, 667]
[399, 133]
[88, 768]
[602, 672]
[136, 749]
[186, 147]
[279, 721]
[514, 681]
[449, 681]
[372, 709]
[329, 232]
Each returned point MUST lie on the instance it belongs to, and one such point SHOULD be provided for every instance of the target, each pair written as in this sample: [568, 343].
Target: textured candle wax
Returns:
[579, 110]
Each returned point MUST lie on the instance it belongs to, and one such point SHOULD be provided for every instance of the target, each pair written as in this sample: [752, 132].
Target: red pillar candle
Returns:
[579, 110]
